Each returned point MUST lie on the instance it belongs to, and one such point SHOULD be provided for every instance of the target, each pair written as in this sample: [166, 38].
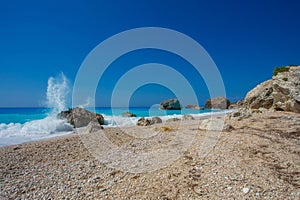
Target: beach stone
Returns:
[156, 120]
[246, 190]
[173, 119]
[188, 117]
[228, 127]
[212, 124]
[217, 103]
[171, 104]
[128, 114]
[143, 122]
[93, 127]
[281, 93]
[80, 117]
[194, 107]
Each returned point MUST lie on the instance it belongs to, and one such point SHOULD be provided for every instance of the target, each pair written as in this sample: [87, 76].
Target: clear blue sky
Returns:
[246, 39]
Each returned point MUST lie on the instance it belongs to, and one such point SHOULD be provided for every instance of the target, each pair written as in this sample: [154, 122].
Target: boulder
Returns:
[156, 120]
[80, 117]
[128, 114]
[188, 117]
[217, 103]
[281, 93]
[194, 107]
[143, 122]
[171, 104]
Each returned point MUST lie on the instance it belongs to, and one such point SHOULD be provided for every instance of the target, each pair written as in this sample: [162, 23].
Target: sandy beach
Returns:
[258, 159]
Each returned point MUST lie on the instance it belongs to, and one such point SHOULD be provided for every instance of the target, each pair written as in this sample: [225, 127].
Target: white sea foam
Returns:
[119, 121]
[57, 96]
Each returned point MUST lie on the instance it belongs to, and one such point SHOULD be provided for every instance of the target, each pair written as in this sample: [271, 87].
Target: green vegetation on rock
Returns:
[278, 70]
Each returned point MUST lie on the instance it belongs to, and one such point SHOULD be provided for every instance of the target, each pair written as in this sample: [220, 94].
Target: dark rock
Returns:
[80, 117]
[143, 122]
[128, 114]
[171, 104]
[217, 103]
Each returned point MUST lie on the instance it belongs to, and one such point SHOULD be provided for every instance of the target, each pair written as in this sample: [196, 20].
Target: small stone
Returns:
[102, 189]
[229, 188]
[246, 190]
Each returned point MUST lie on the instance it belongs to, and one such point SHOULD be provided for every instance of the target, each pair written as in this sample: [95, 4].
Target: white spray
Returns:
[57, 93]
[57, 99]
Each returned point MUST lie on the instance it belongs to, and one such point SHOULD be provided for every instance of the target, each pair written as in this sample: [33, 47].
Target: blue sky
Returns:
[39, 39]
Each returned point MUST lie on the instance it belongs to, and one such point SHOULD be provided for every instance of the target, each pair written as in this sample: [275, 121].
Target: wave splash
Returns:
[57, 99]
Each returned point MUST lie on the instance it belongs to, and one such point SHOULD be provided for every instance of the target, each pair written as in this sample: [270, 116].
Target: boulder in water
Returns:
[171, 104]
[80, 117]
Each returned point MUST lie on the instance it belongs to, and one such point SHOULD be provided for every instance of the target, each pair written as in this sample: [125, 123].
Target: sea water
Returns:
[18, 125]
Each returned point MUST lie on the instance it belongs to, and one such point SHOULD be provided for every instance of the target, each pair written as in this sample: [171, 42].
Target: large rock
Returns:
[80, 117]
[171, 104]
[217, 103]
[281, 93]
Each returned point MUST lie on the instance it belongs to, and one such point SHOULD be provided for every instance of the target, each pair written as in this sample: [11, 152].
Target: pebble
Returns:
[246, 190]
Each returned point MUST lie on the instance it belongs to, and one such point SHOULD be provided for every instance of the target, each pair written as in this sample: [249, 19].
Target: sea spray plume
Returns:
[57, 93]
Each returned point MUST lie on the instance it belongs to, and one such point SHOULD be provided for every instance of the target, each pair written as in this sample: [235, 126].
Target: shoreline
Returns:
[258, 159]
[196, 116]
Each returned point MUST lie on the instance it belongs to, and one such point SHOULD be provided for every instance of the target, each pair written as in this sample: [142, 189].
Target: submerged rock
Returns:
[171, 104]
[217, 103]
[80, 117]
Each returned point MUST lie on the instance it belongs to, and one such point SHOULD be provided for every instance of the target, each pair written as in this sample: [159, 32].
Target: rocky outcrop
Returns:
[80, 117]
[171, 104]
[194, 107]
[217, 103]
[281, 93]
[128, 114]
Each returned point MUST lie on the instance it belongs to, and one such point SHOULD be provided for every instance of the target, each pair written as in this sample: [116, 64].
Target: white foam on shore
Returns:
[119, 121]
[57, 97]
